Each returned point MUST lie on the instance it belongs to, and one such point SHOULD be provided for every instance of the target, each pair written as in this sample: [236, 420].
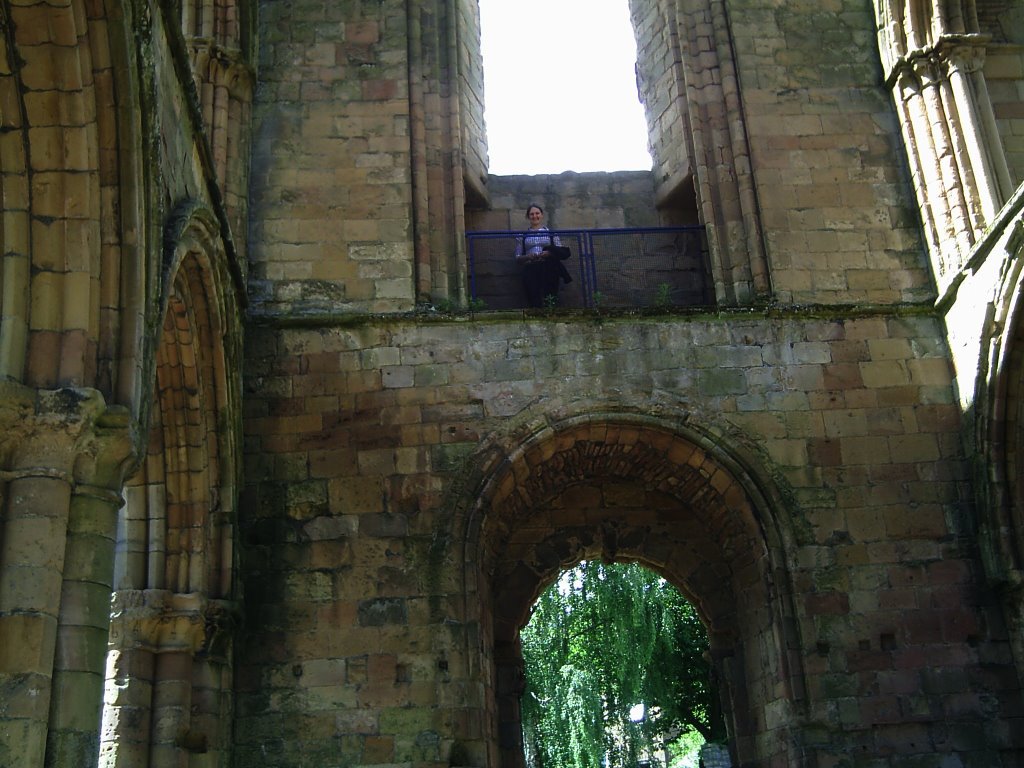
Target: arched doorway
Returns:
[669, 496]
[617, 672]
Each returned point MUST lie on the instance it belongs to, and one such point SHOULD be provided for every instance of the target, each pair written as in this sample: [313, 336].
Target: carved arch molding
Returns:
[1000, 421]
[629, 490]
[169, 666]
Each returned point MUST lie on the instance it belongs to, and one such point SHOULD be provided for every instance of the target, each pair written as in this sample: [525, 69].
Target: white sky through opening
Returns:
[560, 87]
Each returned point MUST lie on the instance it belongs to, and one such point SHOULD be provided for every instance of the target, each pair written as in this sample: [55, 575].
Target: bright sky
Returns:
[560, 87]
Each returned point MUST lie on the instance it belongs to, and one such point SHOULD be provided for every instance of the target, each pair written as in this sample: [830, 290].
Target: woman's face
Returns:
[535, 215]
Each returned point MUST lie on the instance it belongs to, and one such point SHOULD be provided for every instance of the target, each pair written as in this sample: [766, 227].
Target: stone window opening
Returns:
[684, 187]
[544, 83]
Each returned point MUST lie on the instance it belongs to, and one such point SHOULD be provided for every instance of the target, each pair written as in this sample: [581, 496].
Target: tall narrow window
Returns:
[560, 87]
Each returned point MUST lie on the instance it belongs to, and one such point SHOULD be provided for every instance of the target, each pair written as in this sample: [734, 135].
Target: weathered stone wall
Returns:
[360, 637]
[471, 98]
[1004, 73]
[839, 219]
[368, 129]
[412, 481]
[113, 216]
[331, 204]
[662, 90]
[1002, 19]
[817, 128]
[799, 473]
[570, 201]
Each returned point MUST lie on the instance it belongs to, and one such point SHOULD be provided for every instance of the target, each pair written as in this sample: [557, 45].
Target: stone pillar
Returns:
[510, 681]
[32, 549]
[54, 577]
[84, 624]
[126, 727]
[731, 692]
[915, 129]
[212, 684]
[981, 142]
[934, 63]
[172, 703]
[166, 680]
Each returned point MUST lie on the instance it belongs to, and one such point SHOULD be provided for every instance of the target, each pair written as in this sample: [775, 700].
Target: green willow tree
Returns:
[603, 641]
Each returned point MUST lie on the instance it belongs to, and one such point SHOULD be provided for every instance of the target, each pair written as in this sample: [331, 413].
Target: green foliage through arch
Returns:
[605, 641]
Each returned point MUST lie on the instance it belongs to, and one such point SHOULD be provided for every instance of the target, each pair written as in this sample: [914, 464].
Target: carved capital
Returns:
[907, 84]
[928, 69]
[67, 433]
[161, 621]
[934, 63]
[960, 54]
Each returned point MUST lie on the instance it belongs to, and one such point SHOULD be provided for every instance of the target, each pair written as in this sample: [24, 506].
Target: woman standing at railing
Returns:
[542, 272]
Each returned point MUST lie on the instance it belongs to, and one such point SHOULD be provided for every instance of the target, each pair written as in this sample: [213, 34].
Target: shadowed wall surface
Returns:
[271, 495]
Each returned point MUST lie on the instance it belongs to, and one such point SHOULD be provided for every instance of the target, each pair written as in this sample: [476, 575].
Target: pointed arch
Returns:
[998, 421]
[999, 430]
[174, 594]
[669, 494]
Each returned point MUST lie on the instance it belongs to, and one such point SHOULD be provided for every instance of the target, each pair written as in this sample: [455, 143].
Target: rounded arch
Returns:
[668, 493]
[77, 203]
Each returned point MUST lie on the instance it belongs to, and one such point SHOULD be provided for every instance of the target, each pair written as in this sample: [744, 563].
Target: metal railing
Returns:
[611, 268]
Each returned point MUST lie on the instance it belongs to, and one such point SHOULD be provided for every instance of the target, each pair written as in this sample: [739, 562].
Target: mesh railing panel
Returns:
[613, 268]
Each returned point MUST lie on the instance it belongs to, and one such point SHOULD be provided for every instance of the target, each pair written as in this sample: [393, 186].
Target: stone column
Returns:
[172, 704]
[906, 94]
[126, 727]
[935, 64]
[510, 681]
[212, 689]
[956, 229]
[84, 623]
[54, 578]
[166, 680]
[964, 63]
[35, 521]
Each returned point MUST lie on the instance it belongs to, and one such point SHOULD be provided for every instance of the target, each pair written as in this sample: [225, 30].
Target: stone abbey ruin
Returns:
[276, 492]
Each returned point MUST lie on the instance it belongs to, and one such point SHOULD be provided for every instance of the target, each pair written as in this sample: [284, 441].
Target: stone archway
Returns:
[999, 437]
[169, 663]
[630, 489]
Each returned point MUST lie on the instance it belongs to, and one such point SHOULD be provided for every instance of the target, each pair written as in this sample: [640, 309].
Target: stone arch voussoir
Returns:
[999, 406]
[664, 491]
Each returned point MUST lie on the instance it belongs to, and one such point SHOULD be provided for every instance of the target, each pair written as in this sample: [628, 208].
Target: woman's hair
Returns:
[533, 205]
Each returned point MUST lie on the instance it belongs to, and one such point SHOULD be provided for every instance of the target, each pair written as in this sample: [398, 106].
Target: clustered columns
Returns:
[168, 689]
[436, 32]
[59, 502]
[214, 32]
[689, 84]
[933, 57]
